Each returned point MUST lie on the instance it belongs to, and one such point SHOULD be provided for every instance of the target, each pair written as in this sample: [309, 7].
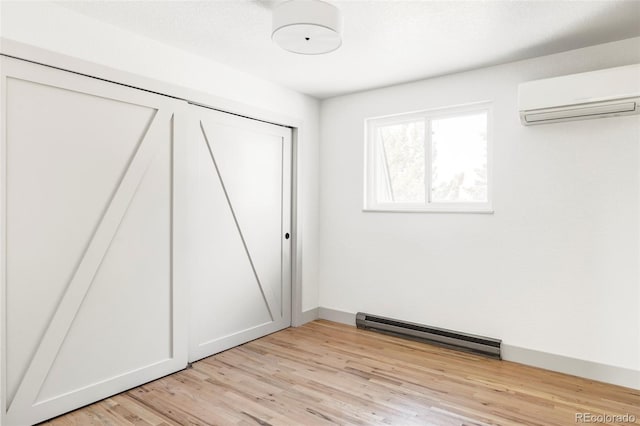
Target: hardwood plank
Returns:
[325, 373]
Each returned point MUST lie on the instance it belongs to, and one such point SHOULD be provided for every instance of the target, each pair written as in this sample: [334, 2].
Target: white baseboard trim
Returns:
[576, 367]
[308, 316]
[337, 316]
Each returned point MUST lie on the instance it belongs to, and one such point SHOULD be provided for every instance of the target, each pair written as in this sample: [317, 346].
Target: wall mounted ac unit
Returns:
[604, 93]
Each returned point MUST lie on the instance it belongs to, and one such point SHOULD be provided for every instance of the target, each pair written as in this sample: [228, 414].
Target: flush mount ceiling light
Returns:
[308, 27]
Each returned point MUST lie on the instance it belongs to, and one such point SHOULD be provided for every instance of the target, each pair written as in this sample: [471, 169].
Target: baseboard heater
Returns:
[437, 336]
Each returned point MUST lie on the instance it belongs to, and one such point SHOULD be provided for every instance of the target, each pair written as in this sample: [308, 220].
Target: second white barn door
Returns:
[239, 212]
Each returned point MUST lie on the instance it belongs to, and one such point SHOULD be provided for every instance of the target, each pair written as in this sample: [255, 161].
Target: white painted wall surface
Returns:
[555, 269]
[49, 26]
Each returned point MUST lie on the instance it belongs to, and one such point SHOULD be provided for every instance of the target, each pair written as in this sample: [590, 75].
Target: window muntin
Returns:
[436, 160]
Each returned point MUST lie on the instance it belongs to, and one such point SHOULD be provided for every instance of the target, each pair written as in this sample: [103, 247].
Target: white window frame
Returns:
[371, 166]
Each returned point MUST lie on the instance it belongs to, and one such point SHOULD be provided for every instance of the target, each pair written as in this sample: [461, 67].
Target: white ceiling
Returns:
[385, 42]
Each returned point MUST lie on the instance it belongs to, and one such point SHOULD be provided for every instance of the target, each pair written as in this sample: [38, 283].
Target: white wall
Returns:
[49, 26]
[555, 269]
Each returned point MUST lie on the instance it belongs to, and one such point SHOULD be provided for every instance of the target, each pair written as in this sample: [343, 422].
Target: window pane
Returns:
[459, 159]
[400, 160]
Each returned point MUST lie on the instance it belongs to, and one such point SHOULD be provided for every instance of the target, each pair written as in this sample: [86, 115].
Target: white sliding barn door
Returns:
[239, 205]
[91, 300]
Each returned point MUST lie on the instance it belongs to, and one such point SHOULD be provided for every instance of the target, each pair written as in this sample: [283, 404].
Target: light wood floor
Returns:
[326, 373]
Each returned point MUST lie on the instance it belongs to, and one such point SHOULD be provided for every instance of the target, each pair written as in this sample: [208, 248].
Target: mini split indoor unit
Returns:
[597, 94]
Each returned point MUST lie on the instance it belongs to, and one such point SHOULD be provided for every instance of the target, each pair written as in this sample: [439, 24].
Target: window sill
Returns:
[449, 210]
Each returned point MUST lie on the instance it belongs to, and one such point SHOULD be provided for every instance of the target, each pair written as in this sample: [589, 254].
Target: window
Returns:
[435, 160]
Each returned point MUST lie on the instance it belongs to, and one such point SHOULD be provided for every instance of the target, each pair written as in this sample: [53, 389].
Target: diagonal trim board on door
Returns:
[82, 279]
[269, 302]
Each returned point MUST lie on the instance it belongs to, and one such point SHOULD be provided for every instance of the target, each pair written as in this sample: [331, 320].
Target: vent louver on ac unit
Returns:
[583, 112]
[438, 336]
[596, 94]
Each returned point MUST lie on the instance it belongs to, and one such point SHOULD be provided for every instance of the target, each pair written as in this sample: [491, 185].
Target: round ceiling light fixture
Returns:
[308, 27]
